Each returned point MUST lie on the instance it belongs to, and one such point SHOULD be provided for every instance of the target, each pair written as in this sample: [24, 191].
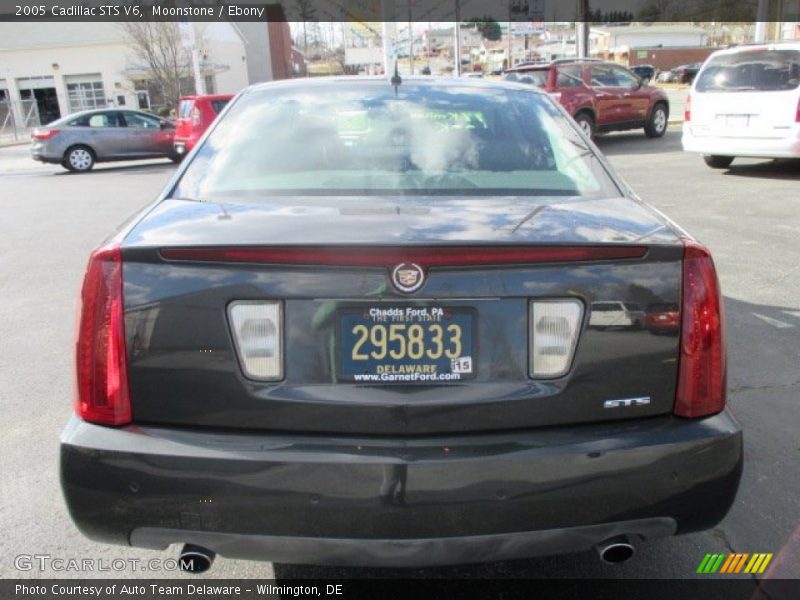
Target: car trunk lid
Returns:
[183, 362]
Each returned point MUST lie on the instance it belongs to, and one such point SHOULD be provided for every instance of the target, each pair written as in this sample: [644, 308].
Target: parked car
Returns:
[663, 318]
[745, 102]
[82, 139]
[685, 73]
[600, 96]
[354, 329]
[195, 114]
[644, 72]
[613, 313]
[666, 77]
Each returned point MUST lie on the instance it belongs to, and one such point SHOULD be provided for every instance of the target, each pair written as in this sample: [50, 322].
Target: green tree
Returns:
[488, 28]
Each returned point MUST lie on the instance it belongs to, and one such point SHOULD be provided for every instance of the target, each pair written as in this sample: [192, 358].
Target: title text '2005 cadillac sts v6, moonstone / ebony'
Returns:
[356, 329]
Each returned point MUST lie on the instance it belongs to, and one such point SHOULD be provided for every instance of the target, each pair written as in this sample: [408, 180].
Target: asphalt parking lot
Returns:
[748, 215]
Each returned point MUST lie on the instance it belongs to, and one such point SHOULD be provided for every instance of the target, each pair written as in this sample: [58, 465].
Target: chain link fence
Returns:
[17, 119]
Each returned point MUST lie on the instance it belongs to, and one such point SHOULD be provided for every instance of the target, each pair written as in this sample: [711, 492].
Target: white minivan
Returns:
[745, 101]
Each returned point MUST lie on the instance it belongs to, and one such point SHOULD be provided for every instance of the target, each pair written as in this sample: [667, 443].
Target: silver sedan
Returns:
[80, 140]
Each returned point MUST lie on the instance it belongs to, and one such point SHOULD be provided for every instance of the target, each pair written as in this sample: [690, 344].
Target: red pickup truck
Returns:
[600, 96]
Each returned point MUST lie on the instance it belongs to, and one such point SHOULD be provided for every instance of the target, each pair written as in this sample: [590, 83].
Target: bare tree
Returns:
[160, 47]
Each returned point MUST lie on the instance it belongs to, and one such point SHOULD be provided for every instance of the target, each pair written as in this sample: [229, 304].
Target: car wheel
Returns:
[718, 162]
[657, 123]
[176, 158]
[79, 159]
[586, 123]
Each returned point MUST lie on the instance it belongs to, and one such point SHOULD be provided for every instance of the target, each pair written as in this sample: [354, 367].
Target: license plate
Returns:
[407, 344]
[733, 121]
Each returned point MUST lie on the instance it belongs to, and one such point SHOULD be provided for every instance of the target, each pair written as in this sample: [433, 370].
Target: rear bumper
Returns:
[785, 146]
[183, 145]
[41, 152]
[404, 502]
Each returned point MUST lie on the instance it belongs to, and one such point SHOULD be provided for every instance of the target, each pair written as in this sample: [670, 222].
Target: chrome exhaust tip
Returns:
[195, 559]
[616, 550]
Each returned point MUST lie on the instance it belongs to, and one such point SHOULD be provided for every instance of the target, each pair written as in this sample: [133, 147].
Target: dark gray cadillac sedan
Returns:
[358, 327]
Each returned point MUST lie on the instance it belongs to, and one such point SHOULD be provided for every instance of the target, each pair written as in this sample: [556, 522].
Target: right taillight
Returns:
[702, 367]
[102, 372]
[687, 111]
[555, 325]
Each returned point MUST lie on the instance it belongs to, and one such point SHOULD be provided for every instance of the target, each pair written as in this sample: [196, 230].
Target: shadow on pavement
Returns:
[769, 169]
[122, 168]
[636, 142]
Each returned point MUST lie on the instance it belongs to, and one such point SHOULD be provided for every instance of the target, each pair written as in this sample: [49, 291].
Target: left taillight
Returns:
[102, 394]
[44, 134]
[702, 369]
[258, 336]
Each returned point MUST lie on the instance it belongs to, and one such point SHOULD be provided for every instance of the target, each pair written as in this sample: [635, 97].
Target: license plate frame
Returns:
[407, 371]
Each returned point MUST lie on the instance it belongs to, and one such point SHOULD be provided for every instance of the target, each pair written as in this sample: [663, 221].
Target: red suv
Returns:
[195, 114]
[600, 96]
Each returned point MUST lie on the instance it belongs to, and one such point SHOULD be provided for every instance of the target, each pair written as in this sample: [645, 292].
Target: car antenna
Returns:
[396, 80]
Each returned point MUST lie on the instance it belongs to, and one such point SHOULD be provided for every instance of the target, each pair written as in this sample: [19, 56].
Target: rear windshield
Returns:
[606, 306]
[760, 70]
[185, 109]
[367, 138]
[662, 308]
[537, 78]
[218, 105]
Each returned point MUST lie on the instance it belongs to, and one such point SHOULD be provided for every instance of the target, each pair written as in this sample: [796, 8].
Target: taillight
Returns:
[391, 256]
[196, 117]
[702, 368]
[554, 329]
[44, 134]
[102, 393]
[258, 336]
[687, 111]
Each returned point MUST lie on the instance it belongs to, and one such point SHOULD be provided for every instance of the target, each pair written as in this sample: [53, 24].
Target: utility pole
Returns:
[387, 15]
[762, 14]
[410, 41]
[457, 45]
[582, 29]
[186, 30]
[387, 49]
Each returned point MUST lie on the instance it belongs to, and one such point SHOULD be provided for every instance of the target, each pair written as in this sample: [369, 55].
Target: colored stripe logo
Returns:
[740, 562]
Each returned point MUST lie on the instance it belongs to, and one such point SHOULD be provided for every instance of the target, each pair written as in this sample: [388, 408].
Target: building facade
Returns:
[49, 70]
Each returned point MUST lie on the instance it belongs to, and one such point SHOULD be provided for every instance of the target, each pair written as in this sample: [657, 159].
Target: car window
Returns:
[185, 109]
[662, 307]
[218, 105]
[511, 77]
[604, 76]
[368, 139]
[139, 121]
[537, 78]
[570, 76]
[625, 78]
[102, 120]
[758, 70]
[606, 307]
